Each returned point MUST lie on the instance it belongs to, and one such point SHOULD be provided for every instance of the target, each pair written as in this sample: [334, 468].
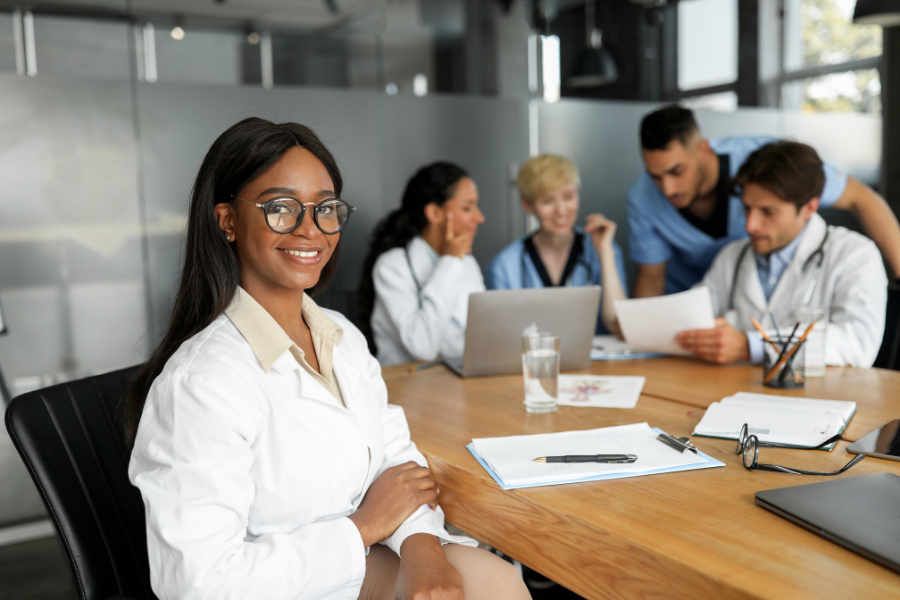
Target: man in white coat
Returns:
[792, 260]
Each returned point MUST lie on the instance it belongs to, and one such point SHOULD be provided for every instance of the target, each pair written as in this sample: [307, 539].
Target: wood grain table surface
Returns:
[697, 383]
[696, 534]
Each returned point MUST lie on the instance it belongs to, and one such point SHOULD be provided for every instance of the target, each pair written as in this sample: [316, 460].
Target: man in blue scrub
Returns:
[681, 212]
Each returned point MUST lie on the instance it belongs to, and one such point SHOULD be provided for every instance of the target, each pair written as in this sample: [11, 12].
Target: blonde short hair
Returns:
[545, 173]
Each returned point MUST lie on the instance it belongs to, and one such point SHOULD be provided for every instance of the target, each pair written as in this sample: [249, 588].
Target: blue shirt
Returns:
[659, 233]
[513, 269]
[770, 269]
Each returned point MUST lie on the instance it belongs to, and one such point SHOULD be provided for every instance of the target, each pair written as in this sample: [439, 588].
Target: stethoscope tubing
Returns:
[813, 282]
[580, 263]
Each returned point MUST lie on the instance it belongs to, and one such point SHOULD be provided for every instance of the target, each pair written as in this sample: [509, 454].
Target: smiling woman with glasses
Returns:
[267, 456]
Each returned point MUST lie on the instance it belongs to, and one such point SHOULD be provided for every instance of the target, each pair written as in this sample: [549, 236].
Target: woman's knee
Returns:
[485, 575]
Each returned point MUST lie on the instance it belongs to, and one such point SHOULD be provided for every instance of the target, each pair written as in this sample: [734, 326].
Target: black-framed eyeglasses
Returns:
[745, 434]
[748, 446]
[751, 461]
[284, 214]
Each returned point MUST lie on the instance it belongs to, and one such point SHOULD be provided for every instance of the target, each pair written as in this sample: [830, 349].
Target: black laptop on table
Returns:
[860, 513]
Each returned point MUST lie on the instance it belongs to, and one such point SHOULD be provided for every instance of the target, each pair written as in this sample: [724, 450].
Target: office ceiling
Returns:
[278, 14]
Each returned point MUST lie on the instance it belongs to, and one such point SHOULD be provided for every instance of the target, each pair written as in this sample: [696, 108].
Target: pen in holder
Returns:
[784, 369]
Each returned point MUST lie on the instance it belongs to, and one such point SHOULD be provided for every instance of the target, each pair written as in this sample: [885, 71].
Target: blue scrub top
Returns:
[513, 269]
[659, 233]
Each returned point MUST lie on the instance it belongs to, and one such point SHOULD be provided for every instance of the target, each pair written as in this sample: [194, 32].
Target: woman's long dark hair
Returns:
[435, 183]
[210, 276]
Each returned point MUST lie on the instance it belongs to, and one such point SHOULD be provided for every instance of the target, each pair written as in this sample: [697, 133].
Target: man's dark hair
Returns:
[790, 170]
[661, 127]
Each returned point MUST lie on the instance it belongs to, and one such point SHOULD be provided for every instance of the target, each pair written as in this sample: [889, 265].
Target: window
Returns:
[828, 35]
[707, 43]
[831, 65]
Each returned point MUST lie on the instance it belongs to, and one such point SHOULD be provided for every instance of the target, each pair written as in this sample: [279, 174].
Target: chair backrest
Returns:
[889, 354]
[71, 438]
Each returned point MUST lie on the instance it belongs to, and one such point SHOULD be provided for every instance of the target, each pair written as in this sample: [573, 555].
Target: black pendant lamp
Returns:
[877, 12]
[595, 66]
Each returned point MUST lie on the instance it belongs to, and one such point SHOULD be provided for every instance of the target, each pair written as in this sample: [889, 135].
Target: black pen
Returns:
[579, 458]
[680, 444]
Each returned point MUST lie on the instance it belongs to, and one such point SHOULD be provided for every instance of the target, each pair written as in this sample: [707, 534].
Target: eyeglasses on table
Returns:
[748, 446]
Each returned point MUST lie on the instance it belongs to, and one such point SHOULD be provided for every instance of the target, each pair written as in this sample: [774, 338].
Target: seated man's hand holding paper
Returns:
[722, 345]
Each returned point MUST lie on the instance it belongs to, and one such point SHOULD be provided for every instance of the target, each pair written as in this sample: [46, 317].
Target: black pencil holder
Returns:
[784, 368]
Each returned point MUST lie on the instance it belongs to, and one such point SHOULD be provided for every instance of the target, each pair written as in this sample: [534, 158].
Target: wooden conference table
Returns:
[695, 534]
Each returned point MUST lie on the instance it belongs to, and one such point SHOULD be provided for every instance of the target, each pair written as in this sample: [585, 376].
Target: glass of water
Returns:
[814, 365]
[540, 365]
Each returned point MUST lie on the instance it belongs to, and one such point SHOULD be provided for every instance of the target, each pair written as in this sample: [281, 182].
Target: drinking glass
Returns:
[814, 361]
[540, 366]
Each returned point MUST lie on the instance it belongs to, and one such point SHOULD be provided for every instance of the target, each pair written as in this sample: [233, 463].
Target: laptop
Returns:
[861, 513]
[497, 319]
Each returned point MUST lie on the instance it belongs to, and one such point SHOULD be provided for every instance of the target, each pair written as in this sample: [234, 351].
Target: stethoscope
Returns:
[413, 273]
[807, 295]
[581, 262]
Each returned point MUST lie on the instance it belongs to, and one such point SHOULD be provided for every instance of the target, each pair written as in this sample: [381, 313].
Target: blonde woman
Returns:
[560, 253]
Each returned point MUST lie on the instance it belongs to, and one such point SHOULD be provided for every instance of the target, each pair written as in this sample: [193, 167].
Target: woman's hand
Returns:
[602, 231]
[453, 244]
[425, 573]
[391, 499]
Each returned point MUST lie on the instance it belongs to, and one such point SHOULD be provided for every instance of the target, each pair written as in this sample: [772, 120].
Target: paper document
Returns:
[780, 419]
[650, 324]
[511, 459]
[599, 391]
[609, 347]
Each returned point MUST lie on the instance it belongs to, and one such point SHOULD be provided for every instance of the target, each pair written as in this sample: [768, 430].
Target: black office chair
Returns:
[71, 438]
[889, 354]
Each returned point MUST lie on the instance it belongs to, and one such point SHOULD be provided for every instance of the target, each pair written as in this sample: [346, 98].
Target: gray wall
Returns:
[378, 141]
[95, 176]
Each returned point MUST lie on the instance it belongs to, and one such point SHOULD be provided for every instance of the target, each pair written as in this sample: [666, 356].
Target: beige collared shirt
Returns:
[269, 341]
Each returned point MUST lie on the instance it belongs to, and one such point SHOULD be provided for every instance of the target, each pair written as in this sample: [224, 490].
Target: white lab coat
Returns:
[409, 324]
[248, 477]
[852, 284]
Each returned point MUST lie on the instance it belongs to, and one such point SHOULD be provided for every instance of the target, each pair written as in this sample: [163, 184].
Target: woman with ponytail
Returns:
[420, 270]
[269, 461]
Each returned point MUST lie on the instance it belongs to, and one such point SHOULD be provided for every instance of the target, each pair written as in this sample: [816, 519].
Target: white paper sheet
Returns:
[843, 407]
[610, 344]
[512, 458]
[780, 419]
[599, 391]
[650, 324]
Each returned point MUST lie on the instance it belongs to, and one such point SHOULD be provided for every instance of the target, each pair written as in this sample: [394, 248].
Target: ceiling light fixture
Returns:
[595, 66]
[177, 33]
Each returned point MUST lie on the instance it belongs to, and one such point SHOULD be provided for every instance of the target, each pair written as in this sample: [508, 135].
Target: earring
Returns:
[228, 237]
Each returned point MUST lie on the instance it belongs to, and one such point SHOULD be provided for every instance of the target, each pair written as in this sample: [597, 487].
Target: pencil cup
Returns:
[540, 366]
[783, 368]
